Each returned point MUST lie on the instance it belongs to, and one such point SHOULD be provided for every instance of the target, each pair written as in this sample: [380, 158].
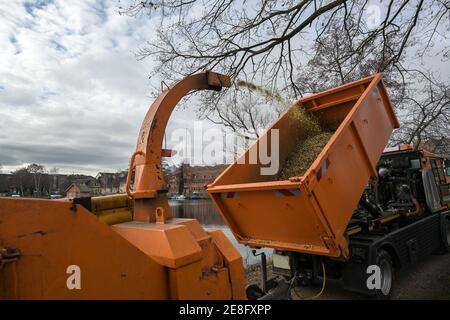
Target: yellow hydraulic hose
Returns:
[316, 296]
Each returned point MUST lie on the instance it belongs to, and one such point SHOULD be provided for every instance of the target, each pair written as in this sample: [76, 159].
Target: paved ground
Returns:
[429, 279]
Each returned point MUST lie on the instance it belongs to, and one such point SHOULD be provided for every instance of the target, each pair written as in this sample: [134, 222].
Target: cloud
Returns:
[72, 94]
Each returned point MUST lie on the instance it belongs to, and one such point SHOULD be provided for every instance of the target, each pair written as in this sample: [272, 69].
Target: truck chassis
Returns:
[405, 233]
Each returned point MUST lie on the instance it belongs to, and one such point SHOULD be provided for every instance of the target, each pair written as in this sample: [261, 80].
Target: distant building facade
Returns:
[189, 180]
[112, 183]
[78, 190]
[87, 187]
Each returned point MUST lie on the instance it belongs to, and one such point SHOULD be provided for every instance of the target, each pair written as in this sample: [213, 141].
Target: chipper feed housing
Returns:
[309, 213]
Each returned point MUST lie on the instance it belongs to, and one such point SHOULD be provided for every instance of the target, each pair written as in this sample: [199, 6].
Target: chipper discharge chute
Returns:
[308, 211]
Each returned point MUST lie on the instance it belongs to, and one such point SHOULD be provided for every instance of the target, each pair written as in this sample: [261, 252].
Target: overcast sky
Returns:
[72, 94]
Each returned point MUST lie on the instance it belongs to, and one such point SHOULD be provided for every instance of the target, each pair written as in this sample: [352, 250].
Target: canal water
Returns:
[206, 213]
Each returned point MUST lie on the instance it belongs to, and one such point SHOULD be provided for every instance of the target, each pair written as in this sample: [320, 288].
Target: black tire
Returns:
[446, 233]
[384, 261]
[254, 292]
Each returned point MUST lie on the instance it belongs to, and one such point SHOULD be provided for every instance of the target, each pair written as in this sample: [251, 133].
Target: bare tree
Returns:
[36, 170]
[250, 108]
[335, 61]
[425, 115]
[54, 170]
[23, 181]
[267, 39]
[298, 47]
[247, 110]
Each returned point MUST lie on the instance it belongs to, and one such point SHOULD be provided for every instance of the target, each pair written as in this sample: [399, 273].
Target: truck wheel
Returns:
[446, 233]
[384, 261]
[254, 292]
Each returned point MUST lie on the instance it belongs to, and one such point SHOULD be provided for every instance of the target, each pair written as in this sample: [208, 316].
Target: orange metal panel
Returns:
[310, 213]
[189, 282]
[170, 245]
[52, 235]
[133, 260]
[234, 263]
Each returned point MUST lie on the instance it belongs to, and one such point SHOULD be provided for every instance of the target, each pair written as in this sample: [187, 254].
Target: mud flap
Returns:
[354, 278]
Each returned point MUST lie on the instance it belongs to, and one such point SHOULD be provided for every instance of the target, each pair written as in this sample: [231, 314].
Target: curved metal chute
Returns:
[150, 201]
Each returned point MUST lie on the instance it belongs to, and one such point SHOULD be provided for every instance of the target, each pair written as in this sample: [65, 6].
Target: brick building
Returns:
[189, 180]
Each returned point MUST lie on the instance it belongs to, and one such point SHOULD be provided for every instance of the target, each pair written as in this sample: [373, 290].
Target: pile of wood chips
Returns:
[307, 147]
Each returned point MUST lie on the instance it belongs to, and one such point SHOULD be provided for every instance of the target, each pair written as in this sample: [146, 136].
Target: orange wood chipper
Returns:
[131, 247]
[60, 250]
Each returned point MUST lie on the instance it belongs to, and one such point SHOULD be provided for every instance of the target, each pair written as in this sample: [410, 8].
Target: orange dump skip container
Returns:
[310, 213]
